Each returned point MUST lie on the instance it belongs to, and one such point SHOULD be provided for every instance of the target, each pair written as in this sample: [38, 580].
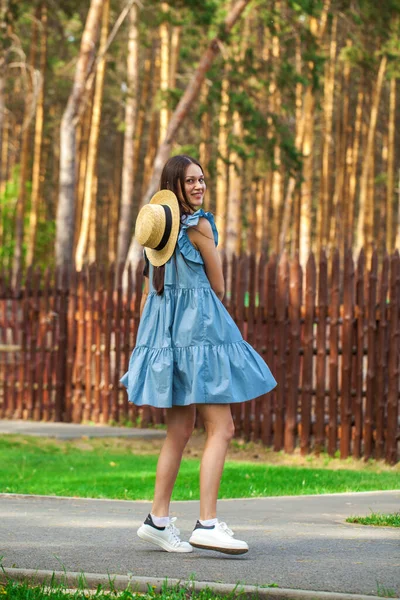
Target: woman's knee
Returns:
[180, 424]
[218, 421]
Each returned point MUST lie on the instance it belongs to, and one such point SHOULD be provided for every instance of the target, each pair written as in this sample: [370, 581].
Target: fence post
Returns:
[347, 355]
[282, 294]
[308, 344]
[359, 360]
[393, 391]
[295, 298]
[321, 355]
[334, 310]
[371, 371]
[270, 316]
[62, 353]
[382, 361]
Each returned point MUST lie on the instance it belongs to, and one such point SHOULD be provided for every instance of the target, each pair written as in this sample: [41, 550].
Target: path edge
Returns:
[141, 584]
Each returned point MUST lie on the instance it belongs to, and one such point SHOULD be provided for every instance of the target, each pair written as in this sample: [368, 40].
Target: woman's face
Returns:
[195, 185]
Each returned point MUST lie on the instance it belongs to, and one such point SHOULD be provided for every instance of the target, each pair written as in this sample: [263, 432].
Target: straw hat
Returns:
[157, 227]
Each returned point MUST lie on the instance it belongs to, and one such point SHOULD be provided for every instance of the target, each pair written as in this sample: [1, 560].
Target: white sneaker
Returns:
[217, 537]
[166, 537]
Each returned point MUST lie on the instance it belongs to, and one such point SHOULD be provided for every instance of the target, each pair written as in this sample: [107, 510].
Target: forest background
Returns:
[290, 105]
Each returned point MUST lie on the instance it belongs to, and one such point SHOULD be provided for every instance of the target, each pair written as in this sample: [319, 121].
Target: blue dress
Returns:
[188, 348]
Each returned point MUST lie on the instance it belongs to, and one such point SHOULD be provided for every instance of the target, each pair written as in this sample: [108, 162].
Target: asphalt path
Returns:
[300, 542]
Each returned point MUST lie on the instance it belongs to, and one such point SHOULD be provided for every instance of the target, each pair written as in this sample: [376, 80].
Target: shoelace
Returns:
[225, 527]
[174, 532]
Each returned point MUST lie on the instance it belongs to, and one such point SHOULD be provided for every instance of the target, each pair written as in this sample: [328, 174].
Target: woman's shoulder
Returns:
[203, 221]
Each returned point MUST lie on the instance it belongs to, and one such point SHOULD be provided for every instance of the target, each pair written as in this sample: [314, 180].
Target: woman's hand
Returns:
[202, 238]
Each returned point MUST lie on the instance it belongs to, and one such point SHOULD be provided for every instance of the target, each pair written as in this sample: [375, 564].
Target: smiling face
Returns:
[195, 185]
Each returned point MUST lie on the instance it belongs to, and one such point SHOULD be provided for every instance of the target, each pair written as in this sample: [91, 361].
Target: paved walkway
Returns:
[301, 542]
[66, 431]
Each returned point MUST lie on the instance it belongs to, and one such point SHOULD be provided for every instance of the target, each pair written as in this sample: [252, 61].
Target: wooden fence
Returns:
[330, 336]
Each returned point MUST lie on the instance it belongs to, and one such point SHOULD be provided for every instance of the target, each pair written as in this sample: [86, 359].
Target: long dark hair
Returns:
[173, 178]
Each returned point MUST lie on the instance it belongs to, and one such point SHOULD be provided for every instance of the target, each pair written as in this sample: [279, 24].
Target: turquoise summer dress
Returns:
[188, 348]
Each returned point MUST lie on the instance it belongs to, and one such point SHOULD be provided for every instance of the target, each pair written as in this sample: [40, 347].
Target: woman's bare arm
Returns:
[202, 238]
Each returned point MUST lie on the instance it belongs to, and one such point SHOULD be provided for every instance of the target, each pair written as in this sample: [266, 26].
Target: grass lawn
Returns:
[377, 519]
[124, 469]
[13, 590]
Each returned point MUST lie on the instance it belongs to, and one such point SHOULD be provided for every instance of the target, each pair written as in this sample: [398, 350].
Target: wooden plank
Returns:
[249, 406]
[236, 408]
[98, 279]
[382, 361]
[357, 404]
[62, 345]
[347, 354]
[107, 388]
[307, 370]
[282, 299]
[71, 345]
[371, 367]
[22, 411]
[44, 376]
[35, 401]
[392, 427]
[270, 295]
[258, 340]
[319, 444]
[89, 297]
[118, 320]
[79, 365]
[293, 371]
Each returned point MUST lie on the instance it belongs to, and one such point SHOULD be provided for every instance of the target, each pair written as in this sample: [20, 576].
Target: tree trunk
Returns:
[329, 87]
[89, 199]
[222, 161]
[336, 218]
[130, 152]
[205, 143]
[363, 198]
[175, 44]
[300, 126]
[234, 196]
[275, 109]
[37, 152]
[66, 205]
[181, 112]
[164, 72]
[24, 160]
[353, 164]
[390, 167]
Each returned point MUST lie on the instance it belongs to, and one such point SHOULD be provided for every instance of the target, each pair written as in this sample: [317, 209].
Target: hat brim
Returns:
[159, 257]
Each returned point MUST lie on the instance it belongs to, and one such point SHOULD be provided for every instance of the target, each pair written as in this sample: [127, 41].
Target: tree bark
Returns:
[89, 199]
[390, 167]
[363, 198]
[66, 203]
[329, 87]
[222, 161]
[352, 164]
[130, 152]
[37, 152]
[164, 72]
[182, 110]
[26, 135]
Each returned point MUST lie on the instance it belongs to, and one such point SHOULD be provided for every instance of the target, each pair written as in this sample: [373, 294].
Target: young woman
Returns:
[189, 354]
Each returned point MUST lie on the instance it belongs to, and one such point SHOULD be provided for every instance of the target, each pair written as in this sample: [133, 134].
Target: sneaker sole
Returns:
[147, 537]
[217, 549]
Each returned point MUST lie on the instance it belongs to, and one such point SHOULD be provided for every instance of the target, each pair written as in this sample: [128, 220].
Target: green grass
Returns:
[13, 590]
[377, 519]
[33, 466]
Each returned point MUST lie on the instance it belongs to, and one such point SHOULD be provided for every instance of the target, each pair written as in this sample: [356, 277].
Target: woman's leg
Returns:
[220, 428]
[180, 423]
